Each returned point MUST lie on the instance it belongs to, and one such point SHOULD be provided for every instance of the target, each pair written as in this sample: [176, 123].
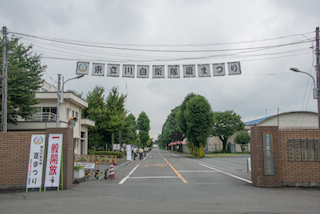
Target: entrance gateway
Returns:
[285, 157]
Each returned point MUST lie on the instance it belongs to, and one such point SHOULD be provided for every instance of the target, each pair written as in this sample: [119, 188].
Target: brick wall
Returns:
[14, 157]
[286, 173]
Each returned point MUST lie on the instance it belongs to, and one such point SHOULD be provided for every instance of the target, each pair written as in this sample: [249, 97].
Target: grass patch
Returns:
[223, 155]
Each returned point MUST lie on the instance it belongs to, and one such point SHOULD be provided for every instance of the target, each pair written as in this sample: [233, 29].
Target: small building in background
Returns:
[46, 116]
[287, 120]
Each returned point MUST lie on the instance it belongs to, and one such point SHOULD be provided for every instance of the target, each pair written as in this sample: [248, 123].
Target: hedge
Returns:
[118, 154]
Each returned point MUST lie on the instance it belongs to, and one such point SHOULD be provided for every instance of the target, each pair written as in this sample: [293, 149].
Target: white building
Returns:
[47, 116]
[286, 120]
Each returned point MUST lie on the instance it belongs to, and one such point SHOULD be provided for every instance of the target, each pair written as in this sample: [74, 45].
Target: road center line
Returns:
[154, 177]
[196, 171]
[250, 182]
[184, 181]
[130, 173]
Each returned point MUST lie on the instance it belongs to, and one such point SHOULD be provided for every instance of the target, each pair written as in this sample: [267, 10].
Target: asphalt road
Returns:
[167, 183]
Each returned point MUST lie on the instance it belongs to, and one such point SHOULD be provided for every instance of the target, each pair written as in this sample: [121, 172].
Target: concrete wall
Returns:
[286, 173]
[14, 157]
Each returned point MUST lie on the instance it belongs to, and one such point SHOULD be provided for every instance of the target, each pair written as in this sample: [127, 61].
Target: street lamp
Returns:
[60, 94]
[315, 91]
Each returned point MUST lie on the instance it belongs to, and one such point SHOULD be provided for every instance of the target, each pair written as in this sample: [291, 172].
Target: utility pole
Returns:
[318, 72]
[4, 81]
[58, 100]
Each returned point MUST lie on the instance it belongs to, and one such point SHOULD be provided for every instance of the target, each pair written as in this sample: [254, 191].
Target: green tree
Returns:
[24, 72]
[129, 131]
[180, 118]
[199, 117]
[225, 125]
[116, 112]
[96, 111]
[143, 126]
[242, 138]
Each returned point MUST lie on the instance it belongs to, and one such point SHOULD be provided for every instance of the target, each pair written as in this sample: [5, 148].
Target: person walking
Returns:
[140, 153]
[134, 153]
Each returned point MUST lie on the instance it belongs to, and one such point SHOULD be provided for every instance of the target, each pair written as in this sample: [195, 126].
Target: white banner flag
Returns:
[35, 166]
[113, 70]
[204, 70]
[158, 71]
[82, 68]
[143, 71]
[128, 71]
[98, 69]
[173, 71]
[234, 68]
[129, 152]
[53, 160]
[189, 71]
[219, 69]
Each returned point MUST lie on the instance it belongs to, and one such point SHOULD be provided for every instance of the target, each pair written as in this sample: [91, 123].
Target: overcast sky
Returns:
[266, 37]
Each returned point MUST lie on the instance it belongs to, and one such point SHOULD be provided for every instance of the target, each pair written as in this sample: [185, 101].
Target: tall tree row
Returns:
[195, 121]
[143, 126]
[109, 115]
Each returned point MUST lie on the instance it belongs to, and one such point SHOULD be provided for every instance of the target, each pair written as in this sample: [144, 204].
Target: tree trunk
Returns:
[224, 143]
[112, 141]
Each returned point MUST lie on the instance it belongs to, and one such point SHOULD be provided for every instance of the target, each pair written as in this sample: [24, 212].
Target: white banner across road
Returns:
[158, 71]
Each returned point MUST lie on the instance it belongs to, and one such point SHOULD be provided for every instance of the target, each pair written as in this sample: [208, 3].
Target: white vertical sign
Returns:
[234, 68]
[129, 152]
[204, 70]
[143, 71]
[128, 71]
[113, 70]
[53, 160]
[98, 69]
[35, 165]
[173, 71]
[82, 68]
[189, 71]
[219, 69]
[158, 71]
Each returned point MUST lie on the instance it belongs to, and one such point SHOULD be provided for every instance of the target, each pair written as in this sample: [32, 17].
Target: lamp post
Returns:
[60, 94]
[315, 91]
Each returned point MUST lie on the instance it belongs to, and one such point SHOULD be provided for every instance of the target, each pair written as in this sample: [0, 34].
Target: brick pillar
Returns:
[257, 157]
[68, 151]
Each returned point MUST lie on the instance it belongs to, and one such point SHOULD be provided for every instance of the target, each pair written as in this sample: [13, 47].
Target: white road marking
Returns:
[154, 177]
[242, 179]
[130, 173]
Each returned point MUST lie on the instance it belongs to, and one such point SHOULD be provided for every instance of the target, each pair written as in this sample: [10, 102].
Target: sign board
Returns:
[268, 154]
[83, 68]
[128, 152]
[98, 69]
[35, 165]
[116, 146]
[52, 177]
[86, 165]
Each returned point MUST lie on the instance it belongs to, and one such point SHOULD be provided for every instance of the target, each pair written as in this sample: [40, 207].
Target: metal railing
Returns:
[44, 116]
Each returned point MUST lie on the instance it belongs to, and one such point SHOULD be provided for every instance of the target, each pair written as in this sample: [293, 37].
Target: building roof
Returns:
[257, 121]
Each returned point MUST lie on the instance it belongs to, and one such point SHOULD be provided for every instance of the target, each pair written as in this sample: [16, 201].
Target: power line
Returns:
[173, 51]
[166, 45]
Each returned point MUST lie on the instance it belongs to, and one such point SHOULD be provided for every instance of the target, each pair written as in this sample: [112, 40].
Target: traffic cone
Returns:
[111, 174]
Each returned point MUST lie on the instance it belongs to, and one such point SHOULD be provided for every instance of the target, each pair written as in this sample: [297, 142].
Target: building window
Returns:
[72, 113]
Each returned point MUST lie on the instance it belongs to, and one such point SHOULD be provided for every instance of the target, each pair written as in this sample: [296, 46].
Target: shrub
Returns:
[118, 154]
[78, 167]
